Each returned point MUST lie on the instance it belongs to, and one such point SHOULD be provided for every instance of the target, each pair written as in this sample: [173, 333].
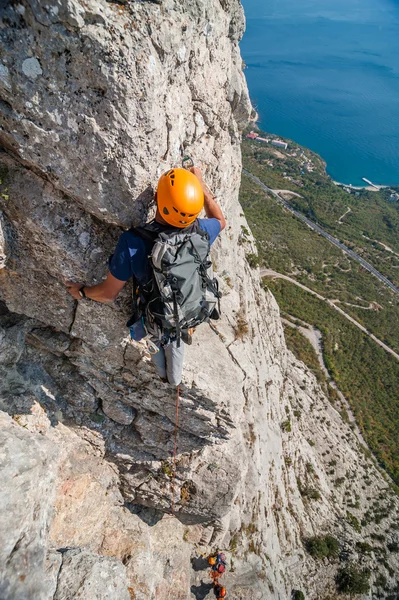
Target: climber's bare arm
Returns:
[212, 209]
[106, 291]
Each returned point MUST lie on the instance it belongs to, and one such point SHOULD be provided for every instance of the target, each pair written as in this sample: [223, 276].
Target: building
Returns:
[280, 144]
[252, 135]
[261, 139]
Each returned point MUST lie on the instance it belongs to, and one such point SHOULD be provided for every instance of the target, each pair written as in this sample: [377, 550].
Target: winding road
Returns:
[323, 233]
[274, 274]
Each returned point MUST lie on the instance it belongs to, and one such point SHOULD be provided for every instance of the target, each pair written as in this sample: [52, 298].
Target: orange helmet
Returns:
[180, 197]
[212, 560]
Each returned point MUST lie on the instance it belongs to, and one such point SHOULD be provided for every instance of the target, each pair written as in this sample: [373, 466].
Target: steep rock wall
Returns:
[98, 98]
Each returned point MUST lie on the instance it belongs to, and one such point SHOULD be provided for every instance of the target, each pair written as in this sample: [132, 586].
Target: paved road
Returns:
[288, 192]
[326, 235]
[270, 273]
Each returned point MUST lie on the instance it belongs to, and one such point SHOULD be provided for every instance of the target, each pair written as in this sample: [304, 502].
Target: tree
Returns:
[351, 580]
[322, 546]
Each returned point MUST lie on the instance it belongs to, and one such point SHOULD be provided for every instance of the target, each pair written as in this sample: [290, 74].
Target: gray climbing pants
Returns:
[168, 361]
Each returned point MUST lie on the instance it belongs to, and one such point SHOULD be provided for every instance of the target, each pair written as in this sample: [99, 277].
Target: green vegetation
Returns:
[365, 373]
[371, 217]
[297, 595]
[166, 469]
[234, 543]
[253, 260]
[286, 426]
[303, 350]
[351, 580]
[393, 547]
[309, 492]
[353, 521]
[289, 247]
[322, 546]
[364, 547]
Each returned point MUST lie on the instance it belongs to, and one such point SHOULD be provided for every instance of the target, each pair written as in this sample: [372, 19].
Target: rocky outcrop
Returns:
[97, 99]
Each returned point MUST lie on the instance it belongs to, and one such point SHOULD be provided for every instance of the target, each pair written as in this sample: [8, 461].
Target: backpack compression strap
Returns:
[151, 231]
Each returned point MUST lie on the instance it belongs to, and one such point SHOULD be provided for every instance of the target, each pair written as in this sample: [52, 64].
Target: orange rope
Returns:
[175, 449]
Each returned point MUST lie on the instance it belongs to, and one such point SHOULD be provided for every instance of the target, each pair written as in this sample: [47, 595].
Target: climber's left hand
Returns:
[73, 289]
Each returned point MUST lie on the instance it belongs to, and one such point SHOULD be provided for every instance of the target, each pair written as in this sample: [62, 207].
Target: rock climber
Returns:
[219, 591]
[218, 562]
[178, 207]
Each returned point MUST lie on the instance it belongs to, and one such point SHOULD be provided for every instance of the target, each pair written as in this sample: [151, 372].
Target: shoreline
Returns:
[371, 188]
[360, 188]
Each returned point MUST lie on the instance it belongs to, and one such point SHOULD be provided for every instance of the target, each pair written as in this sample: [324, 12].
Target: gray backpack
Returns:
[181, 291]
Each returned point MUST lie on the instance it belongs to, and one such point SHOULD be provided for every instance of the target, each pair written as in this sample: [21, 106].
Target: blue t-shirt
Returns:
[131, 253]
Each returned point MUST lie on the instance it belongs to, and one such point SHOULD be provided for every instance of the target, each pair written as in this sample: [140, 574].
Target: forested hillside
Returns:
[367, 222]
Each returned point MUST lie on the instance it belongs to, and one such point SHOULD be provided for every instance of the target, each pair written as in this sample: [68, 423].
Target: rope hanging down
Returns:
[217, 560]
[172, 487]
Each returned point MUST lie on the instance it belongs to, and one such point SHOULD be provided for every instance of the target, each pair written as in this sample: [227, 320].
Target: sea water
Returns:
[325, 73]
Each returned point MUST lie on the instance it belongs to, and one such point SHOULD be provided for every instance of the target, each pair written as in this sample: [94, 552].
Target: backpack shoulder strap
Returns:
[145, 233]
[151, 231]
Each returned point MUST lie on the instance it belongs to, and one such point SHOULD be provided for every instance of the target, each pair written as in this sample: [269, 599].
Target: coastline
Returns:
[360, 188]
[372, 187]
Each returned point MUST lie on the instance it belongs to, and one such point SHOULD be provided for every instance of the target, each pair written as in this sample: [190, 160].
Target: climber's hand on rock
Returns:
[73, 289]
[197, 173]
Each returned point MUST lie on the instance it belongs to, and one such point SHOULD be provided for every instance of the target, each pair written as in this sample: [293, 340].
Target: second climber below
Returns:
[181, 195]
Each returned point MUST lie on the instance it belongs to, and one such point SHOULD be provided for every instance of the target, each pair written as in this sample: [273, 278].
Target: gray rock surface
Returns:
[97, 99]
[26, 496]
[86, 575]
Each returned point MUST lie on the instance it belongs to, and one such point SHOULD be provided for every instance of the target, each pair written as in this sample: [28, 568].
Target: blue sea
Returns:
[325, 73]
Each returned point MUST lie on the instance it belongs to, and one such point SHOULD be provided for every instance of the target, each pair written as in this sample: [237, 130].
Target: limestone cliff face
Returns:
[97, 100]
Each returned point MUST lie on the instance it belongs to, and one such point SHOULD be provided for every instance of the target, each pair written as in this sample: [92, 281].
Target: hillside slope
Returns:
[98, 98]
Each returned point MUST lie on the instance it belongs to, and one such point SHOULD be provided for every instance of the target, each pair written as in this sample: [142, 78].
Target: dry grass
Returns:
[241, 328]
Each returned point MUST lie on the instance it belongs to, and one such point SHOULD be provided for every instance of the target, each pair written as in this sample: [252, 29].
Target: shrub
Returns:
[286, 426]
[241, 327]
[309, 492]
[351, 580]
[378, 537]
[166, 469]
[364, 547]
[381, 581]
[297, 595]
[234, 543]
[322, 546]
[354, 521]
[393, 546]
[253, 260]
